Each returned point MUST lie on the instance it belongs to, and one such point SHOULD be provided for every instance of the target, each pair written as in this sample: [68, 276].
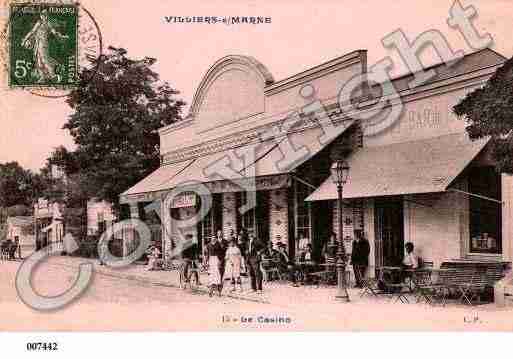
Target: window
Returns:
[207, 226]
[212, 221]
[485, 215]
[256, 219]
[303, 224]
[247, 219]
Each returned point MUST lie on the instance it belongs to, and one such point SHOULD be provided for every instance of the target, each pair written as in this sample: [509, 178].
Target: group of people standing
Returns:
[227, 257]
[242, 249]
[10, 247]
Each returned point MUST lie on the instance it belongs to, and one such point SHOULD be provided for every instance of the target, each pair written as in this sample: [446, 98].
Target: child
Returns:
[233, 261]
[153, 258]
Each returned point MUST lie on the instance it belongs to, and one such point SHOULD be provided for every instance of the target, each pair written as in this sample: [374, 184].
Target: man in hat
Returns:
[254, 255]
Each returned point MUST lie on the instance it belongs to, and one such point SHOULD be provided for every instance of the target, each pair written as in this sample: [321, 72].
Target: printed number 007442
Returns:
[41, 346]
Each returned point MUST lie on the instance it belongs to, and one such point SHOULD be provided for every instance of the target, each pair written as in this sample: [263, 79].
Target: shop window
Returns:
[255, 220]
[211, 222]
[207, 226]
[303, 220]
[247, 219]
[485, 215]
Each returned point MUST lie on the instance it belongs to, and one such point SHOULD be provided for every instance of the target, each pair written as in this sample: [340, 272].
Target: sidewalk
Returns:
[276, 293]
[273, 292]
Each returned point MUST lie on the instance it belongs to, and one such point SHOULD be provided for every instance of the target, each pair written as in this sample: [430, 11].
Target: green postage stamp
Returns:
[43, 47]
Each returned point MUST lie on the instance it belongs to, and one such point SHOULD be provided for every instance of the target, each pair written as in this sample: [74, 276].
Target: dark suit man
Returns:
[224, 244]
[360, 257]
[254, 256]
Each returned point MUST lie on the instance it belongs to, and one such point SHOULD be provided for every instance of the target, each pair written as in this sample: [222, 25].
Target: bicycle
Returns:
[170, 264]
[192, 277]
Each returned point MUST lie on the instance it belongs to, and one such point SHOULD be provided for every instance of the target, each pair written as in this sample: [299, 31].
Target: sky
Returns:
[302, 34]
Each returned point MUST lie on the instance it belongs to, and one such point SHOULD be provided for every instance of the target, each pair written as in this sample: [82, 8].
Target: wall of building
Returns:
[507, 217]
[437, 225]
[353, 217]
[229, 214]
[235, 95]
[170, 231]
[369, 232]
[278, 213]
[327, 87]
[423, 118]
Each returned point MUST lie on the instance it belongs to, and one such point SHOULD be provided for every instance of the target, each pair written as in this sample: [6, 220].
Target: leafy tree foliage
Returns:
[119, 105]
[16, 185]
[489, 111]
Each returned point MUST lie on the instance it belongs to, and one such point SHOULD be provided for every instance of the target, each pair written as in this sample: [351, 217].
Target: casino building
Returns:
[421, 179]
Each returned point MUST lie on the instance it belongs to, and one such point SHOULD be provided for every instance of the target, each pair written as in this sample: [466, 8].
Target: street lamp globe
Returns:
[340, 172]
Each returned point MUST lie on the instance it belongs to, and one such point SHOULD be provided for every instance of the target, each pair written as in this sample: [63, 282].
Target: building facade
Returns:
[22, 229]
[49, 224]
[99, 216]
[420, 179]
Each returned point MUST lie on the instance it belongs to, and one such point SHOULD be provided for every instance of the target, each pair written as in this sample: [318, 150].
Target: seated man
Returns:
[307, 254]
[13, 247]
[410, 260]
[330, 248]
[283, 257]
[307, 263]
[269, 257]
[189, 255]
[153, 258]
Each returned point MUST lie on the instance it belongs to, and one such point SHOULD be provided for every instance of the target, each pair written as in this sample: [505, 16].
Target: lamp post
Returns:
[340, 172]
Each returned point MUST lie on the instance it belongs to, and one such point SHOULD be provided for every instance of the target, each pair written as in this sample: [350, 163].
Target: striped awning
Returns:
[424, 166]
[264, 164]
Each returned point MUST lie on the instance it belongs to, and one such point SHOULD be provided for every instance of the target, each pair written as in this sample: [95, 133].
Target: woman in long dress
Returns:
[215, 253]
[37, 40]
[233, 262]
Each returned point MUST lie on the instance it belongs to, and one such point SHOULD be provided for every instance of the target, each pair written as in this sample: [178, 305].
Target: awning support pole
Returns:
[476, 195]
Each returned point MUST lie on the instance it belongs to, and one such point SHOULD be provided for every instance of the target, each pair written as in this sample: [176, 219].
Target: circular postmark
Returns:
[49, 46]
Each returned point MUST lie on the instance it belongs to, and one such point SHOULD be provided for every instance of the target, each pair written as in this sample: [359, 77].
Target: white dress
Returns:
[214, 275]
[233, 261]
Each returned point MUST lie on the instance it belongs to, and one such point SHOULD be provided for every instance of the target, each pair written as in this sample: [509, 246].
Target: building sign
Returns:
[185, 199]
[261, 184]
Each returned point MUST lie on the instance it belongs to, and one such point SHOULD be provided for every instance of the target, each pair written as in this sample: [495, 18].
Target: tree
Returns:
[16, 185]
[119, 105]
[489, 111]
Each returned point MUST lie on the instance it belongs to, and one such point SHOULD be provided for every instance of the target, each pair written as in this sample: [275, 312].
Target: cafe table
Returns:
[303, 268]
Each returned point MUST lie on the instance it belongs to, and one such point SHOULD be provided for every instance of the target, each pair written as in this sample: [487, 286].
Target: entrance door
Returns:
[389, 232]
[322, 221]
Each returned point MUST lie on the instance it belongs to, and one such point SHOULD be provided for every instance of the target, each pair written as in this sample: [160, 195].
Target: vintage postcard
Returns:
[256, 166]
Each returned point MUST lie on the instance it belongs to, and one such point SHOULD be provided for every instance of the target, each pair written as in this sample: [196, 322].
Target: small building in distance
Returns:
[99, 216]
[49, 226]
[21, 228]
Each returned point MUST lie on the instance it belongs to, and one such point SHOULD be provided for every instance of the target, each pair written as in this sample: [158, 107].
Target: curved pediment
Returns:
[232, 90]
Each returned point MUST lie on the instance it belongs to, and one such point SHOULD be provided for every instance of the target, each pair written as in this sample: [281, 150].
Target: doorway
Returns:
[389, 223]
[322, 220]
